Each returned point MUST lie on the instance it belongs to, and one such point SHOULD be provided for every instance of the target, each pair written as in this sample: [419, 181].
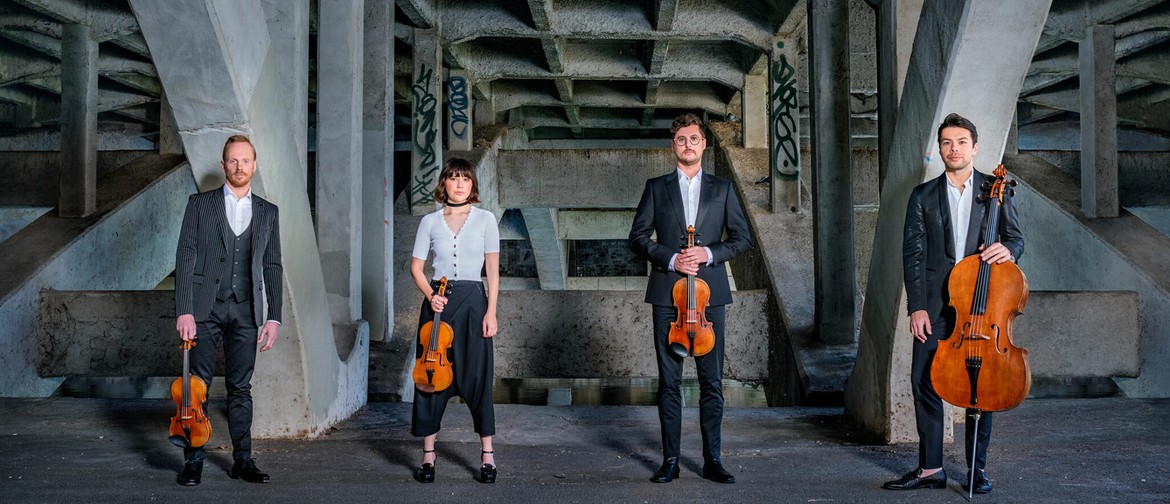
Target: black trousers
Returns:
[231, 324]
[471, 359]
[928, 407]
[709, 369]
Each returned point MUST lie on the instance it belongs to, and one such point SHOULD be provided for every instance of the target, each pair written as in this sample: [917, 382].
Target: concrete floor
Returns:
[1047, 450]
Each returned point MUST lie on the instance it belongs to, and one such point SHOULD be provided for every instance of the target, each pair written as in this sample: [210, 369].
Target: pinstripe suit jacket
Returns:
[201, 257]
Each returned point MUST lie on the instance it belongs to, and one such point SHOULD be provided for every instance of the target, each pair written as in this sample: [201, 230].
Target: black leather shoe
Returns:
[912, 481]
[191, 474]
[714, 471]
[425, 473]
[487, 472]
[982, 483]
[667, 472]
[246, 470]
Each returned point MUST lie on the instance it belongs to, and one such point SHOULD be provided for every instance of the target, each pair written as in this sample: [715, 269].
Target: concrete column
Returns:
[834, 269]
[459, 107]
[339, 154]
[426, 147]
[168, 134]
[288, 28]
[784, 125]
[1012, 144]
[1098, 123]
[549, 251]
[754, 100]
[378, 170]
[897, 21]
[998, 39]
[79, 85]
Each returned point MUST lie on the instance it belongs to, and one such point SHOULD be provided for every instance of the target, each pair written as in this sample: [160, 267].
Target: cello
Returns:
[977, 366]
[433, 371]
[691, 333]
[190, 427]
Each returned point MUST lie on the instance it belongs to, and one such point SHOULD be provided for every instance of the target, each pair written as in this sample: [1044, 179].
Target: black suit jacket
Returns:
[201, 257]
[928, 250]
[661, 211]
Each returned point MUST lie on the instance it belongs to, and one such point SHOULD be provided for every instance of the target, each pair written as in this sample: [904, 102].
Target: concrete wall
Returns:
[129, 244]
[1143, 178]
[595, 178]
[25, 174]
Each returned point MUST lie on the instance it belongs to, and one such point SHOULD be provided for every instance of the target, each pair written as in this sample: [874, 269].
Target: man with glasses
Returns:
[689, 196]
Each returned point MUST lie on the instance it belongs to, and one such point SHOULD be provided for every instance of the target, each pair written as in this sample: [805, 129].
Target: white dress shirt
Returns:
[237, 210]
[959, 199]
[690, 188]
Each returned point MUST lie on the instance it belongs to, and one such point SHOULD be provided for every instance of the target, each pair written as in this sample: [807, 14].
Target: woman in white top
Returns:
[465, 241]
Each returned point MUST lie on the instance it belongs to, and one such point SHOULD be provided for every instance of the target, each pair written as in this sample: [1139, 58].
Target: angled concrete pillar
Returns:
[426, 139]
[169, 141]
[832, 152]
[1098, 123]
[221, 74]
[378, 170]
[339, 154]
[459, 107]
[288, 27]
[784, 125]
[969, 57]
[79, 86]
[547, 248]
[897, 21]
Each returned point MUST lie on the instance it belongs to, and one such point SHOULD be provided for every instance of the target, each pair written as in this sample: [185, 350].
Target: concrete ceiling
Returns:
[605, 69]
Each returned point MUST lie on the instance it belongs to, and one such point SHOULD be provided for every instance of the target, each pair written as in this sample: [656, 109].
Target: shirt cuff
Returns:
[275, 321]
[670, 265]
[710, 256]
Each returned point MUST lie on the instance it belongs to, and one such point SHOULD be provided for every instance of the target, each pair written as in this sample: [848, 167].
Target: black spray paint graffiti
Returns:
[457, 103]
[786, 144]
[423, 135]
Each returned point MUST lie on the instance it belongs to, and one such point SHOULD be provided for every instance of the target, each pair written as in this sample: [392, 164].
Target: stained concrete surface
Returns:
[1047, 450]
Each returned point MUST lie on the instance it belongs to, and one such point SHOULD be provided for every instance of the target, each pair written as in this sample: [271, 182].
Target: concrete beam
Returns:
[664, 15]
[1068, 20]
[425, 137]
[339, 154]
[378, 170]
[420, 12]
[459, 111]
[1099, 194]
[594, 224]
[78, 122]
[832, 161]
[553, 54]
[542, 14]
[601, 178]
[549, 251]
[998, 39]
[657, 56]
[106, 22]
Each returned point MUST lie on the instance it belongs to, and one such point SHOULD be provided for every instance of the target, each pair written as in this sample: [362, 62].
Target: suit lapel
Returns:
[705, 194]
[676, 202]
[225, 230]
[944, 206]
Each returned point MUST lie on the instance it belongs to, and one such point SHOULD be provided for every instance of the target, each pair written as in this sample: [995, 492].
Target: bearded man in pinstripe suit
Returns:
[226, 265]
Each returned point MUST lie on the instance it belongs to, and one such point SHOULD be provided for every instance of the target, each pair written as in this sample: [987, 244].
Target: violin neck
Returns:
[186, 378]
[690, 292]
[434, 333]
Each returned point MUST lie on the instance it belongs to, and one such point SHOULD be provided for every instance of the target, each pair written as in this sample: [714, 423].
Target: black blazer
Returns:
[661, 211]
[201, 257]
[928, 250]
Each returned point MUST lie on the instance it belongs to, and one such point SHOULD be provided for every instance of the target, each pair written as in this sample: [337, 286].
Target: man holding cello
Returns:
[944, 222]
[689, 197]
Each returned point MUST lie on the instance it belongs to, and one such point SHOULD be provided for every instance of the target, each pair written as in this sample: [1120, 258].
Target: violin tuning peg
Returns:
[986, 185]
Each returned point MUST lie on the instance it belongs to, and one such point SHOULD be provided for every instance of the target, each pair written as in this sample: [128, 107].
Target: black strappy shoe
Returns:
[426, 472]
[487, 472]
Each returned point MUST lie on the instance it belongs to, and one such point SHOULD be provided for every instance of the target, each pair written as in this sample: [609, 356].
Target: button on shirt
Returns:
[960, 203]
[237, 210]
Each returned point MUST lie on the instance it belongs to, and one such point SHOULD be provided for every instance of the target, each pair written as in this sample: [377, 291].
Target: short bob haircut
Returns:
[455, 167]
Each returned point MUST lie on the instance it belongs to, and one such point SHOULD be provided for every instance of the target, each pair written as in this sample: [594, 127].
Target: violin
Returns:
[691, 333]
[190, 427]
[977, 366]
[433, 371]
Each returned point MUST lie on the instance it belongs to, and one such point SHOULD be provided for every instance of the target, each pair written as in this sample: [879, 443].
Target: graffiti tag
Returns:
[423, 135]
[457, 103]
[785, 141]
